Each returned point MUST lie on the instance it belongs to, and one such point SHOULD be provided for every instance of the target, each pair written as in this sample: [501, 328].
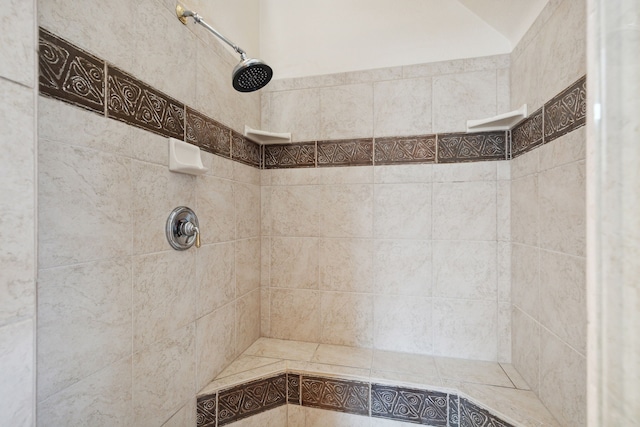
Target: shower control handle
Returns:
[183, 229]
[187, 228]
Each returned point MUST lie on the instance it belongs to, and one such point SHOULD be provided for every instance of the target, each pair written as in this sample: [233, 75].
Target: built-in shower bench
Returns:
[291, 383]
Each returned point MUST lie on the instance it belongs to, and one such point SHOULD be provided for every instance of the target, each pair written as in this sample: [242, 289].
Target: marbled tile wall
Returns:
[410, 258]
[129, 329]
[548, 221]
[18, 91]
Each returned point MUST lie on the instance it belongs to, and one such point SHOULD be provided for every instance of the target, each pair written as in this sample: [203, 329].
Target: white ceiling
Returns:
[311, 37]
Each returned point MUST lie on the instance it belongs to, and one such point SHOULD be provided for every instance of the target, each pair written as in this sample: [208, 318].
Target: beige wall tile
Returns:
[276, 417]
[18, 42]
[157, 38]
[295, 314]
[504, 332]
[463, 269]
[563, 213]
[343, 355]
[465, 328]
[294, 262]
[85, 321]
[403, 211]
[403, 267]
[17, 197]
[164, 377]
[247, 320]
[403, 174]
[566, 149]
[346, 210]
[247, 266]
[403, 323]
[321, 418]
[402, 107]
[346, 111]
[461, 97]
[162, 283]
[405, 362]
[215, 343]
[464, 172]
[525, 339]
[563, 374]
[464, 211]
[247, 198]
[215, 277]
[186, 416]
[347, 319]
[346, 265]
[98, 186]
[66, 123]
[525, 278]
[524, 211]
[102, 399]
[563, 295]
[105, 30]
[293, 211]
[17, 369]
[296, 111]
[215, 209]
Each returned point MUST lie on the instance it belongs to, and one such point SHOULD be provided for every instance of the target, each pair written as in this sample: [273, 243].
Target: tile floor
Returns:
[495, 385]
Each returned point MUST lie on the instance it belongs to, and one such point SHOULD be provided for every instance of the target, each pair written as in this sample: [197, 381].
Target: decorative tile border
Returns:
[527, 134]
[133, 102]
[333, 394]
[251, 398]
[472, 147]
[410, 405]
[347, 152]
[70, 74]
[471, 415]
[297, 155]
[397, 403]
[293, 389]
[207, 134]
[245, 151]
[401, 150]
[567, 111]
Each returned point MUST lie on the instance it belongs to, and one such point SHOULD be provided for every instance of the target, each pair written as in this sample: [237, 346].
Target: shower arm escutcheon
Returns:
[183, 14]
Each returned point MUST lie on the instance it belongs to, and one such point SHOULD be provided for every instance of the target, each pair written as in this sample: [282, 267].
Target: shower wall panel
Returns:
[18, 112]
[548, 211]
[129, 329]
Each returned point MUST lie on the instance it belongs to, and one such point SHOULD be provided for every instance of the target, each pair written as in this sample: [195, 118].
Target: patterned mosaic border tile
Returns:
[72, 75]
[401, 150]
[207, 134]
[347, 152]
[527, 134]
[567, 111]
[297, 155]
[335, 395]
[410, 405]
[472, 147]
[396, 403]
[133, 102]
[245, 151]
[293, 389]
[471, 415]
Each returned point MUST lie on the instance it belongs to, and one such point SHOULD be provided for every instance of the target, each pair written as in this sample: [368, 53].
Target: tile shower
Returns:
[413, 258]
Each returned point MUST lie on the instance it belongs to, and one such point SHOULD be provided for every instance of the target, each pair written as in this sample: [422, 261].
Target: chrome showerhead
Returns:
[251, 74]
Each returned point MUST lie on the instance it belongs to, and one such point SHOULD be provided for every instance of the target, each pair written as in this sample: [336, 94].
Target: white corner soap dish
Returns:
[264, 137]
[185, 158]
[498, 123]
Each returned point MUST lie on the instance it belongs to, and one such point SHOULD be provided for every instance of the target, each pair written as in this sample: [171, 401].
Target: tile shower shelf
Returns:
[262, 379]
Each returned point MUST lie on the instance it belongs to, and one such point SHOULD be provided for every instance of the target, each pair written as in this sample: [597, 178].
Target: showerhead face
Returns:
[250, 75]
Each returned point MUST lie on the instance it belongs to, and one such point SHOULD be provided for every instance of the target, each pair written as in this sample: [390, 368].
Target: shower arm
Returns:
[184, 13]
